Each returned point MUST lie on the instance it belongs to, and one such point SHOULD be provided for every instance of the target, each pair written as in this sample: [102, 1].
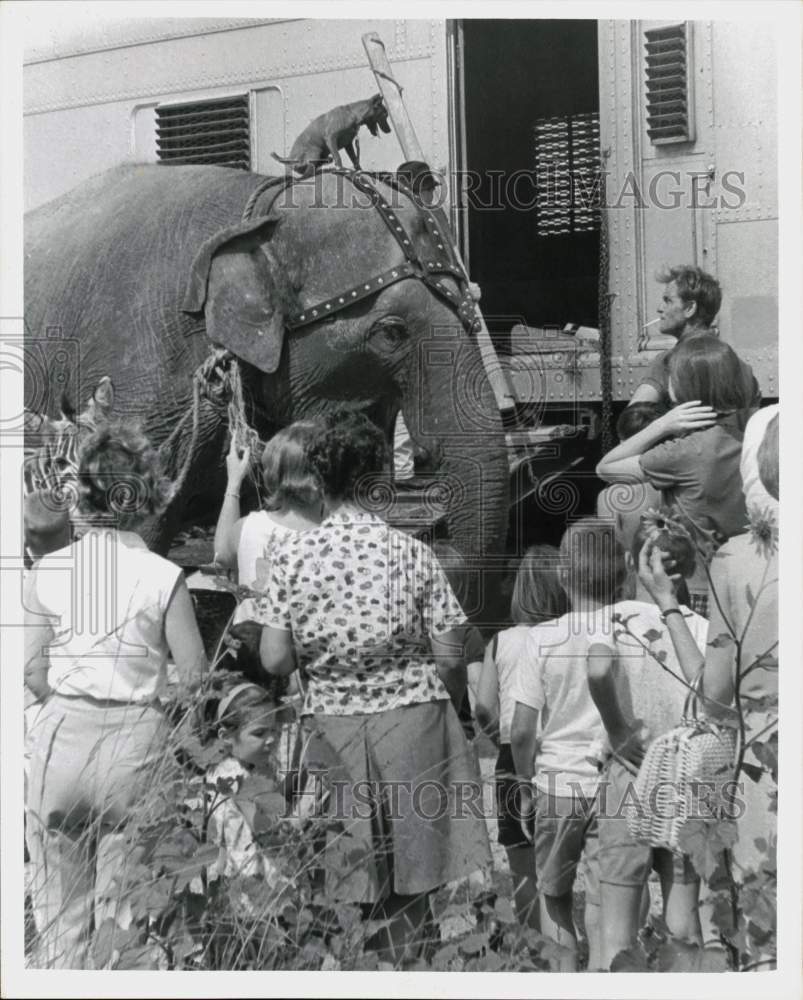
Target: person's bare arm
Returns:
[661, 587]
[719, 663]
[184, 639]
[621, 733]
[448, 650]
[720, 658]
[229, 523]
[486, 709]
[622, 462]
[38, 637]
[277, 652]
[39, 634]
[523, 732]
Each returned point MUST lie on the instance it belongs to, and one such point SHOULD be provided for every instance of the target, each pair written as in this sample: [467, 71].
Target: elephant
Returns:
[148, 275]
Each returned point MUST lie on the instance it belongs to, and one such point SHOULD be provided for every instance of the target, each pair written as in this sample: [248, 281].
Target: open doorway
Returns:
[531, 93]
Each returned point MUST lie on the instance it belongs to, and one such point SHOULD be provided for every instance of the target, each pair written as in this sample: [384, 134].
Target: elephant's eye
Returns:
[390, 335]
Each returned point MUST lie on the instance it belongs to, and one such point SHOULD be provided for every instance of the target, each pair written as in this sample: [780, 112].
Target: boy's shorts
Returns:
[565, 828]
[623, 860]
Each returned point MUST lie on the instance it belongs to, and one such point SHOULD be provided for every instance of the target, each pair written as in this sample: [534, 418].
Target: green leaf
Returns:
[767, 754]
[185, 946]
[721, 640]
[704, 840]
[474, 944]
[503, 909]
[653, 635]
[445, 956]
[753, 773]
[367, 962]
[682, 956]
[108, 939]
[151, 899]
[140, 957]
[631, 960]
[748, 593]
[760, 906]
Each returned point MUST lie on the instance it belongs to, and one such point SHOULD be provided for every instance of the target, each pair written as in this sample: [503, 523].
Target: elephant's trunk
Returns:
[460, 445]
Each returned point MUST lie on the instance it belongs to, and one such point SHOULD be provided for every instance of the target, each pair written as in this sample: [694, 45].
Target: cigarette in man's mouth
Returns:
[651, 323]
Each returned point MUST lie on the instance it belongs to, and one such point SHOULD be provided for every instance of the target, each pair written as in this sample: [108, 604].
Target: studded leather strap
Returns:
[428, 271]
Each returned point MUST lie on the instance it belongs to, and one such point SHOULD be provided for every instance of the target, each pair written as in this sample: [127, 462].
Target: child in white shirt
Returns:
[250, 722]
[550, 688]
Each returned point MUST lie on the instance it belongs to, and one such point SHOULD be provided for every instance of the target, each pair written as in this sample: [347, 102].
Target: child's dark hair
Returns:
[636, 417]
[594, 558]
[705, 368]
[537, 593]
[669, 533]
[350, 448]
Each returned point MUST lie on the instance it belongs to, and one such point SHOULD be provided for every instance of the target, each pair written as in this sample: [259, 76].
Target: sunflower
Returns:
[763, 531]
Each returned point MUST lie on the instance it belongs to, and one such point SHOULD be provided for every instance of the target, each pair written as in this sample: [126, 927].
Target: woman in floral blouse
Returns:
[368, 613]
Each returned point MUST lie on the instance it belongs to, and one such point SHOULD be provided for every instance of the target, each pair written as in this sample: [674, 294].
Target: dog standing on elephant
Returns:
[321, 141]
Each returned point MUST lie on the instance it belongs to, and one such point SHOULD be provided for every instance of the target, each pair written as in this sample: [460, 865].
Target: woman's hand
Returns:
[652, 571]
[237, 465]
[691, 416]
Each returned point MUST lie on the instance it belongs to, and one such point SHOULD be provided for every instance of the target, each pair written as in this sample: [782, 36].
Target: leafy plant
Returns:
[743, 905]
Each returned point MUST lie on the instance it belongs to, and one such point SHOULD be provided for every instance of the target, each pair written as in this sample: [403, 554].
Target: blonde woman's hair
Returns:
[286, 471]
[537, 594]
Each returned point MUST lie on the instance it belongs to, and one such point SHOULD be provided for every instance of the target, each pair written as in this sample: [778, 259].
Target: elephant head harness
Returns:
[431, 272]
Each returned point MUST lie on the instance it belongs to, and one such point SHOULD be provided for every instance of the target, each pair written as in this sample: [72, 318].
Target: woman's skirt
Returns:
[404, 803]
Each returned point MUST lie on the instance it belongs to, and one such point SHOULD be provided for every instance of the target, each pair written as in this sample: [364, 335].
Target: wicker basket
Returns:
[683, 776]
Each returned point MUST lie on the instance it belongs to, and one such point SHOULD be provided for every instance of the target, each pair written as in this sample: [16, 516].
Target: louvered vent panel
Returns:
[668, 98]
[216, 131]
[567, 166]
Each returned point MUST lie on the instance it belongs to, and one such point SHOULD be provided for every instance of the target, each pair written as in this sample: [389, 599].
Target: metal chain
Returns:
[604, 306]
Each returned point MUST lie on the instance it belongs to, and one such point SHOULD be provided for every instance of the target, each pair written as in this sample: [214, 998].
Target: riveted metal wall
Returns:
[89, 106]
[745, 143]
[711, 201]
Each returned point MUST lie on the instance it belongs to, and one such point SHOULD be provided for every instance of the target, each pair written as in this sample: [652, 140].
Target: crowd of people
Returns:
[353, 633]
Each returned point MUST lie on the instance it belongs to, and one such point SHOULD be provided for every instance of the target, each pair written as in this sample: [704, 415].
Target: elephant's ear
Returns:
[233, 280]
